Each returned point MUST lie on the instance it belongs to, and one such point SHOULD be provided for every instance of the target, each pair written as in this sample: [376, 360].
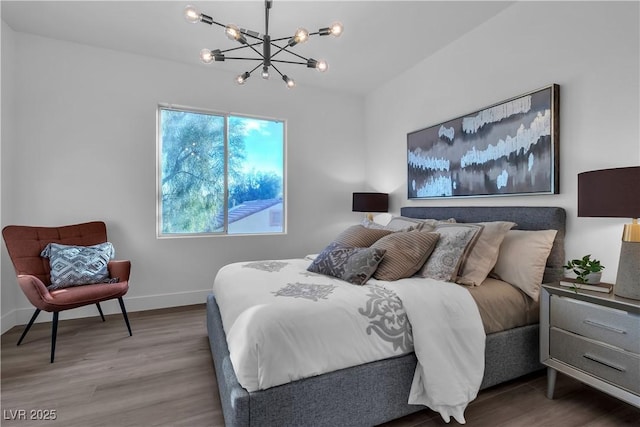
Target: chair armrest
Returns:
[35, 291]
[120, 269]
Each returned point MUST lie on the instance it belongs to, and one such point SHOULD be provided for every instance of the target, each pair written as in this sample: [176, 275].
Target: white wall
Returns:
[591, 49]
[84, 148]
[7, 114]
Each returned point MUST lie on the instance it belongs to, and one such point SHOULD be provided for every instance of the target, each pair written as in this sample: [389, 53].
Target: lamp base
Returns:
[628, 279]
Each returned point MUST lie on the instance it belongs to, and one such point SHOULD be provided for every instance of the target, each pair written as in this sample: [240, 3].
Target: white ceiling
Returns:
[380, 39]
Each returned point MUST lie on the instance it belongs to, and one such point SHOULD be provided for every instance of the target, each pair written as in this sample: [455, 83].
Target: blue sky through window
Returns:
[263, 142]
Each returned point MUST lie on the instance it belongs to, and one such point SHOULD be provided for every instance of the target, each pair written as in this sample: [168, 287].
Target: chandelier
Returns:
[264, 46]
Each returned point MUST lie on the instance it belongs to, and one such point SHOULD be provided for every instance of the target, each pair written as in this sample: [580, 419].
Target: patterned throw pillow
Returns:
[450, 251]
[354, 265]
[77, 265]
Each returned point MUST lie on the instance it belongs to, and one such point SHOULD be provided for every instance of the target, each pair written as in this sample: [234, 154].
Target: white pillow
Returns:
[523, 257]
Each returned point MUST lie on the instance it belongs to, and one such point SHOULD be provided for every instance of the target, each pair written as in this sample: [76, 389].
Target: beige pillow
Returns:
[484, 254]
[450, 251]
[523, 257]
[360, 237]
[406, 252]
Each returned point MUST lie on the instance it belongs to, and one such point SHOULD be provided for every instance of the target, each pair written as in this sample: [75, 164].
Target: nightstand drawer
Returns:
[610, 364]
[611, 326]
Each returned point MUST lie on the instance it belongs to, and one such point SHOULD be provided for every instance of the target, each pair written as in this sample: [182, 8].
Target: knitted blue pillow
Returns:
[77, 265]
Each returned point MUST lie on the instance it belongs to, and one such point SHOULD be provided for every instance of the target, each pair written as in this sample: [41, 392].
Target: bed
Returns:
[376, 392]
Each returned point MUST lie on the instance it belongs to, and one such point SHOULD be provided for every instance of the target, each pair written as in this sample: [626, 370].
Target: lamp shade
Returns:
[370, 202]
[611, 193]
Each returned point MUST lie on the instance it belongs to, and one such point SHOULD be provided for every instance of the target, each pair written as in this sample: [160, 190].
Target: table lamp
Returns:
[615, 193]
[370, 202]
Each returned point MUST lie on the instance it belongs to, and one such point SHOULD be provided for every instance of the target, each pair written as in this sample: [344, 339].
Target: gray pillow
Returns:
[354, 265]
[77, 265]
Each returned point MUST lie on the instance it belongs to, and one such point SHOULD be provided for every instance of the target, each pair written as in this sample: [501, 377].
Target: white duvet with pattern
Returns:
[284, 323]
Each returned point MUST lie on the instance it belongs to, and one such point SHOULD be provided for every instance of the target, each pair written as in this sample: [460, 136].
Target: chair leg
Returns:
[33, 318]
[100, 310]
[124, 314]
[54, 333]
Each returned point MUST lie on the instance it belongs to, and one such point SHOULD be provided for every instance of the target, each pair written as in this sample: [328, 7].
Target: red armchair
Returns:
[25, 244]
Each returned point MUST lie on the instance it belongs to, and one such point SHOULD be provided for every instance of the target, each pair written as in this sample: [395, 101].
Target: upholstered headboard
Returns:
[527, 218]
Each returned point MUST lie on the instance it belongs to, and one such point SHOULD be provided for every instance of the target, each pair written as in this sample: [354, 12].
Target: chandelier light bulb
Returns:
[301, 35]
[290, 82]
[336, 29]
[191, 14]
[265, 73]
[322, 66]
[233, 33]
[241, 78]
[206, 56]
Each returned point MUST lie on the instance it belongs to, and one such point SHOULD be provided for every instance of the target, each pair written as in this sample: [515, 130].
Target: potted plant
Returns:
[586, 269]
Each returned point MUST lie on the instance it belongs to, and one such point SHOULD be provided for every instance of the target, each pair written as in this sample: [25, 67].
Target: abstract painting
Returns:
[505, 149]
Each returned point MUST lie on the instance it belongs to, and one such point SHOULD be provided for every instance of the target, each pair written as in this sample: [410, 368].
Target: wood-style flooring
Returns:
[163, 376]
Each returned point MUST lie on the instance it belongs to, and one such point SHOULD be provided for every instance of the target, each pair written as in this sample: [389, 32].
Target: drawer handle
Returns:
[603, 362]
[607, 327]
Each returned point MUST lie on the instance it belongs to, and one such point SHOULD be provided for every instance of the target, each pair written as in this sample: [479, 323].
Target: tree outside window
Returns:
[219, 174]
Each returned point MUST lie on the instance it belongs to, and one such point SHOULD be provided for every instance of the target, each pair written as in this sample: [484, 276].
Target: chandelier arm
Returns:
[280, 49]
[281, 39]
[240, 47]
[244, 59]
[251, 46]
[274, 67]
[289, 38]
[255, 68]
[206, 19]
[286, 50]
[288, 62]
[255, 50]
[251, 33]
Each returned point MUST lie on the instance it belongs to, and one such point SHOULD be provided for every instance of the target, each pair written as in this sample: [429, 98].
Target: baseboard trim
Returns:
[21, 316]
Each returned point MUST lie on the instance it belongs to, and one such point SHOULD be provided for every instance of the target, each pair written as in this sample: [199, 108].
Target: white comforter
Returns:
[284, 323]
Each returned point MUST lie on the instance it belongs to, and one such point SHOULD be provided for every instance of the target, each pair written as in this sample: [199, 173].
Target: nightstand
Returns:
[593, 337]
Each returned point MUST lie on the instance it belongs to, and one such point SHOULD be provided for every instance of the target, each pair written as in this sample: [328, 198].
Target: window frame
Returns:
[226, 115]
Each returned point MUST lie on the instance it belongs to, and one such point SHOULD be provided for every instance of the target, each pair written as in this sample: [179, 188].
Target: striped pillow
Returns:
[406, 252]
[359, 236]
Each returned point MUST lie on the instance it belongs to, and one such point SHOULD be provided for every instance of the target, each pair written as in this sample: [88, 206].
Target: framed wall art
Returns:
[509, 148]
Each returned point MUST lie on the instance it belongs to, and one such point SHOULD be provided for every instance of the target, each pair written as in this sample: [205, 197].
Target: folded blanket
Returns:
[449, 342]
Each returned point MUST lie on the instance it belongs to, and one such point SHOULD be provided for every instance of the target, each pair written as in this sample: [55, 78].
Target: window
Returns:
[219, 173]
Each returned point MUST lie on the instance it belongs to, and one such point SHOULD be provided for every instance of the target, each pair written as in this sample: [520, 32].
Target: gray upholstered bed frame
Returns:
[377, 392]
